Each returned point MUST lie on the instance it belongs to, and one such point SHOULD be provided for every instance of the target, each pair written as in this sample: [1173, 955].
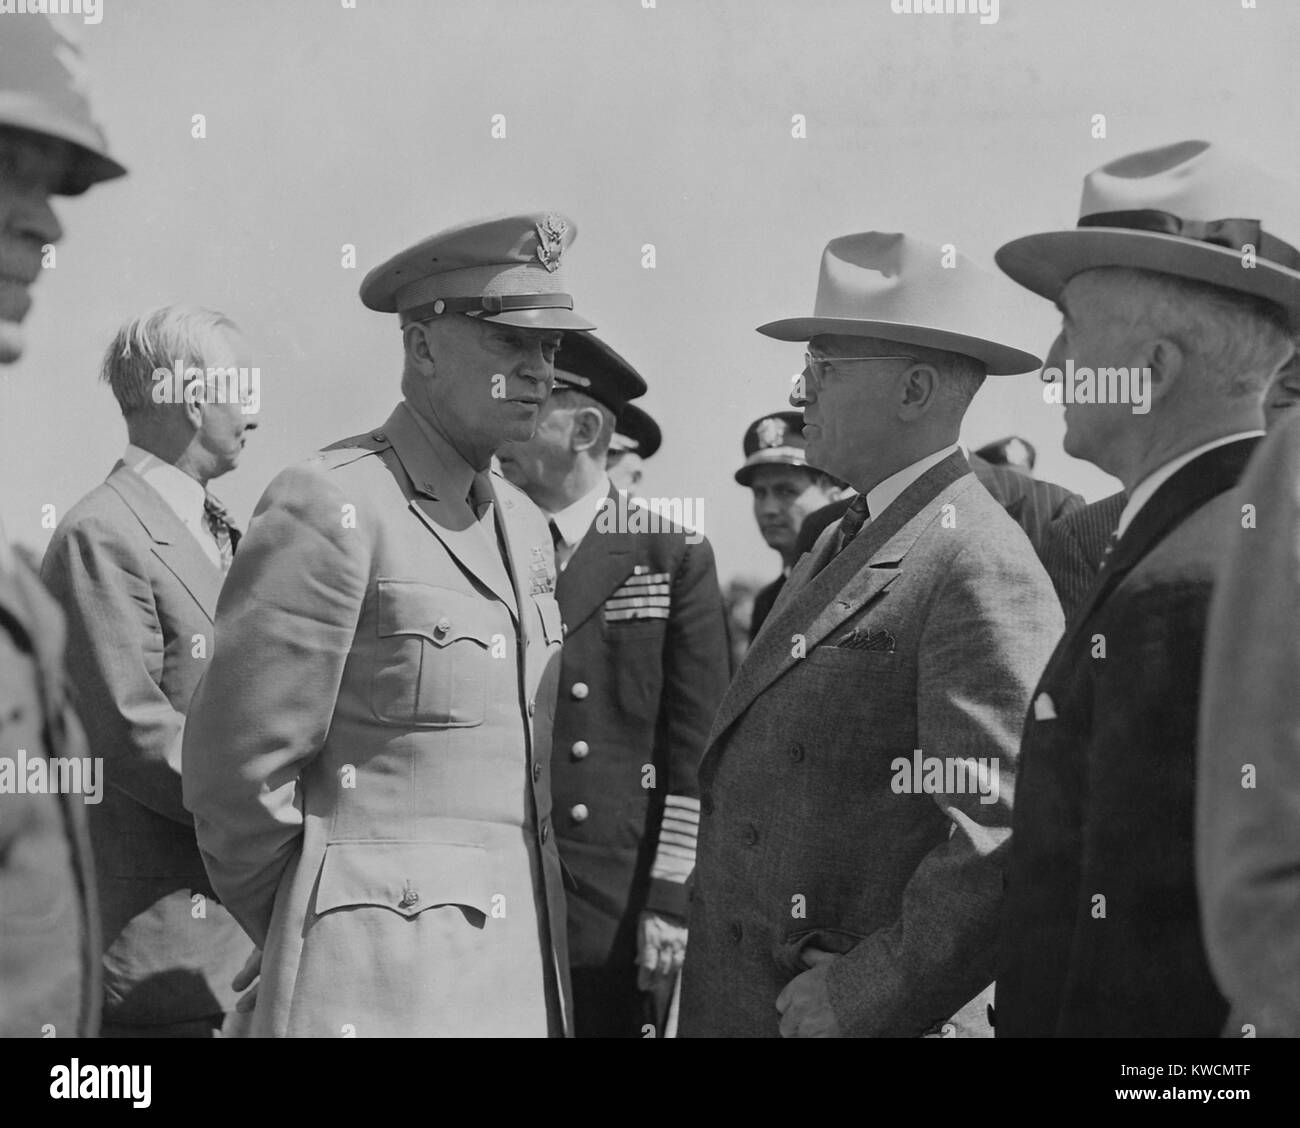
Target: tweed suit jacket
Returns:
[1248, 784]
[1101, 932]
[50, 979]
[139, 594]
[925, 632]
[1031, 503]
[367, 758]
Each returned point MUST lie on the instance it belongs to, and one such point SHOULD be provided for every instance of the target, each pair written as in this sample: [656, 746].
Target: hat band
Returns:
[1231, 233]
[486, 303]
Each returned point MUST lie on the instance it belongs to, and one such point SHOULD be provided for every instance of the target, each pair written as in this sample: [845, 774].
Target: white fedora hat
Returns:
[1190, 209]
[889, 285]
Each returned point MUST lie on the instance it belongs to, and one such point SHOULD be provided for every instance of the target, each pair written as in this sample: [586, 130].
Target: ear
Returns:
[586, 429]
[192, 404]
[1167, 361]
[917, 388]
[418, 343]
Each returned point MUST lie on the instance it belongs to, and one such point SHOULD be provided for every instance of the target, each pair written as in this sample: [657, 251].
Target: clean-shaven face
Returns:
[224, 427]
[783, 497]
[542, 461]
[31, 167]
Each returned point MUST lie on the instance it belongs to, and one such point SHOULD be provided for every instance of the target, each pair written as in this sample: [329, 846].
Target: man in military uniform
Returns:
[636, 438]
[643, 669]
[367, 758]
[49, 928]
[786, 490]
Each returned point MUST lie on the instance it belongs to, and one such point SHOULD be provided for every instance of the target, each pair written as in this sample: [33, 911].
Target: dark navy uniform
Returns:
[643, 669]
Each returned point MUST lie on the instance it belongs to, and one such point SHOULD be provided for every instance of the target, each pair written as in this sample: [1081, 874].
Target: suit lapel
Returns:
[601, 562]
[1201, 480]
[826, 589]
[173, 543]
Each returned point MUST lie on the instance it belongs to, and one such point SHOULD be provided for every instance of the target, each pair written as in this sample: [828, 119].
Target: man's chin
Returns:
[11, 341]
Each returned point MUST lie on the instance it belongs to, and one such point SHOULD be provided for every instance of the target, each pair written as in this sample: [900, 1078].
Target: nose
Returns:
[1054, 357]
[800, 390]
[34, 217]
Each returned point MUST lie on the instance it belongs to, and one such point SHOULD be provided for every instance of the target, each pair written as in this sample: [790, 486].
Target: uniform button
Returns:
[580, 749]
[736, 932]
[537, 773]
[579, 812]
[442, 626]
[579, 691]
[796, 753]
[706, 804]
[378, 436]
[751, 834]
[532, 708]
[564, 630]
[546, 829]
[409, 897]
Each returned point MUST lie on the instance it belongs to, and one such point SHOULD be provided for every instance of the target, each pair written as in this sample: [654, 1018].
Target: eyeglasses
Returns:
[821, 367]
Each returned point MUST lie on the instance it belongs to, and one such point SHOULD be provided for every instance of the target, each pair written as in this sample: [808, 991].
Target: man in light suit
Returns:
[1248, 787]
[856, 788]
[1101, 933]
[136, 566]
[50, 984]
[367, 758]
[643, 669]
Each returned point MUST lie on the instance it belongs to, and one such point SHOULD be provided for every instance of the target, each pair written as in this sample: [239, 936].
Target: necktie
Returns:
[222, 529]
[561, 549]
[857, 515]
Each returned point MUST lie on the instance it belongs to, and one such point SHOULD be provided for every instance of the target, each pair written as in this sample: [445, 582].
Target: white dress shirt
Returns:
[575, 520]
[1146, 489]
[183, 495]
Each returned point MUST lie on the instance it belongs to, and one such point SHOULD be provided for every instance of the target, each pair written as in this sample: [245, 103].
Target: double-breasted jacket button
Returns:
[580, 749]
[736, 932]
[579, 812]
[579, 691]
[796, 753]
[409, 896]
[751, 834]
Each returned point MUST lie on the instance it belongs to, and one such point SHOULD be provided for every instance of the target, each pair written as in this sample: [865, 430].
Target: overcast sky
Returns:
[372, 126]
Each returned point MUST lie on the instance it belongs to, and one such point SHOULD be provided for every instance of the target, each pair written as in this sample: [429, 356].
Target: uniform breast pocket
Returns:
[433, 656]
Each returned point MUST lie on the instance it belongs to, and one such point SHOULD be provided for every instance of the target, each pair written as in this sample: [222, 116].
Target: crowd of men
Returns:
[452, 741]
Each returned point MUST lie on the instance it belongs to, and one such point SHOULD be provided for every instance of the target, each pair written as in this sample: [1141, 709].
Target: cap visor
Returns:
[1001, 360]
[538, 319]
[1044, 263]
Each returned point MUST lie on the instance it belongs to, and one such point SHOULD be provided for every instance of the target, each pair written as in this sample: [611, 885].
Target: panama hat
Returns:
[1194, 209]
[898, 288]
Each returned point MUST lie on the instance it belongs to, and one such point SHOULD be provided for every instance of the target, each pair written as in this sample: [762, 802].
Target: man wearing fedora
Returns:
[1183, 268]
[856, 786]
[786, 490]
[367, 758]
[643, 668]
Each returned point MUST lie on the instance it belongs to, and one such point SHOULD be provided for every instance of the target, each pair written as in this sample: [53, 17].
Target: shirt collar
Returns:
[885, 493]
[183, 495]
[574, 520]
[437, 467]
[1146, 489]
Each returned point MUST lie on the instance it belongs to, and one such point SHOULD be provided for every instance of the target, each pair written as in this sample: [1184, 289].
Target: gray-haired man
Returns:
[137, 565]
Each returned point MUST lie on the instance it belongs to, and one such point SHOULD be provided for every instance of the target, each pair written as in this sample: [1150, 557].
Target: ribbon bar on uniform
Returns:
[1231, 233]
[486, 303]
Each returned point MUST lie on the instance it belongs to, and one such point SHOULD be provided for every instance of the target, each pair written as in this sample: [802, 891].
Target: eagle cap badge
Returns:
[771, 432]
[550, 241]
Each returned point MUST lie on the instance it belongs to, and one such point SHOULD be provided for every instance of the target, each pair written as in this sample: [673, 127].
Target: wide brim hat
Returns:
[899, 288]
[1194, 210]
[506, 269]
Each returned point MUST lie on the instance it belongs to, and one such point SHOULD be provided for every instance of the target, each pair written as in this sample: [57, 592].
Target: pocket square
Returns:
[860, 639]
[1044, 709]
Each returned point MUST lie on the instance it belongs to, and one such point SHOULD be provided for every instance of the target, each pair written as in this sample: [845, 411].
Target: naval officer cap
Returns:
[507, 270]
[637, 433]
[774, 440]
[586, 364]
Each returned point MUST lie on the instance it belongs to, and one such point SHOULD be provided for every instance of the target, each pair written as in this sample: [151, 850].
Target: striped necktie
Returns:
[222, 528]
[857, 515]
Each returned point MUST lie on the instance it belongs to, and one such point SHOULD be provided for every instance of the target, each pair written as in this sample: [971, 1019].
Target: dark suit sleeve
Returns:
[696, 666]
[1067, 563]
[1135, 892]
[113, 636]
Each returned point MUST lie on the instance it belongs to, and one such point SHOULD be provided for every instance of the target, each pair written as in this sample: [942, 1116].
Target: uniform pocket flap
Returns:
[440, 615]
[406, 877]
[552, 623]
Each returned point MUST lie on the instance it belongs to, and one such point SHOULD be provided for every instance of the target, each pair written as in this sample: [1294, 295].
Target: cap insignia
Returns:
[550, 241]
[771, 432]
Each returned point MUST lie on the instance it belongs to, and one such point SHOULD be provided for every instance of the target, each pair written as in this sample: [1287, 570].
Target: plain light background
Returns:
[671, 125]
